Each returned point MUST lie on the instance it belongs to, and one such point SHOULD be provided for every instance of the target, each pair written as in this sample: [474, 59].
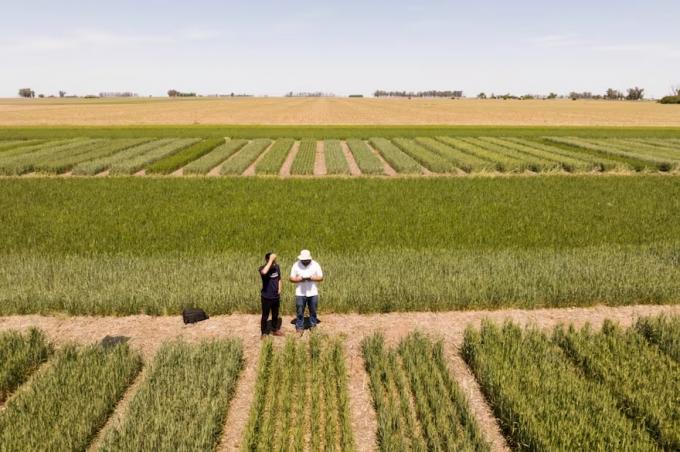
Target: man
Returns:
[270, 294]
[305, 274]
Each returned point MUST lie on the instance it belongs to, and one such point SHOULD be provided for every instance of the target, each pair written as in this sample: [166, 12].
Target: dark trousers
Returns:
[269, 305]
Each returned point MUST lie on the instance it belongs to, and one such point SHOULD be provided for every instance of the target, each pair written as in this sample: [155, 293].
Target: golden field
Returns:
[334, 111]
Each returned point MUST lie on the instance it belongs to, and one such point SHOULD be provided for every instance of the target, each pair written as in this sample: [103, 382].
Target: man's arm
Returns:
[280, 286]
[318, 275]
[294, 277]
[269, 264]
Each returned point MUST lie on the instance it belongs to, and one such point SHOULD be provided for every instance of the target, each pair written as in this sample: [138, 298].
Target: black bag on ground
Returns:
[193, 315]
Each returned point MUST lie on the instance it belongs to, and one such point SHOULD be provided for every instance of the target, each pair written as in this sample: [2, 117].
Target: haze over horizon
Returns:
[270, 48]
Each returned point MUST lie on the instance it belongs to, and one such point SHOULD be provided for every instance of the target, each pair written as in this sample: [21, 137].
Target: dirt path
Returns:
[239, 408]
[179, 172]
[250, 171]
[353, 167]
[320, 160]
[288, 163]
[140, 173]
[103, 173]
[389, 171]
[147, 333]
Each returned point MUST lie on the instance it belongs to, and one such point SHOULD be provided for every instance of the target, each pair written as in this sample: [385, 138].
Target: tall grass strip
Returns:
[176, 161]
[183, 402]
[68, 402]
[366, 160]
[272, 161]
[141, 161]
[542, 401]
[20, 356]
[245, 157]
[336, 163]
[643, 378]
[462, 160]
[397, 159]
[430, 160]
[569, 164]
[98, 165]
[303, 165]
[218, 155]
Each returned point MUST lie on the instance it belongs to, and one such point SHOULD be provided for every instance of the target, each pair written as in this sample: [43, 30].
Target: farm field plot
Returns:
[64, 406]
[20, 356]
[75, 244]
[443, 155]
[182, 403]
[301, 400]
[541, 399]
[662, 331]
[419, 406]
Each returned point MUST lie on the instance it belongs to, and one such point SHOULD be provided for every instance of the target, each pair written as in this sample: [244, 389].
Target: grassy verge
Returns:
[541, 400]
[184, 400]
[419, 405]
[20, 356]
[64, 407]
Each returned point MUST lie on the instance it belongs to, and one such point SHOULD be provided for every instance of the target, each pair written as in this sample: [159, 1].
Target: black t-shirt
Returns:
[270, 282]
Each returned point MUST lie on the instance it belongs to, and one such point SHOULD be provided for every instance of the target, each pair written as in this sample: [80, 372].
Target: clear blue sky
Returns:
[271, 47]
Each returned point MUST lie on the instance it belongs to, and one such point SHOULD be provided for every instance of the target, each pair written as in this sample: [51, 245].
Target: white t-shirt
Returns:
[306, 288]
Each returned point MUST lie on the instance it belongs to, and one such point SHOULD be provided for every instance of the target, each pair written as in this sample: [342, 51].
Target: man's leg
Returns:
[266, 307]
[300, 310]
[313, 303]
[275, 314]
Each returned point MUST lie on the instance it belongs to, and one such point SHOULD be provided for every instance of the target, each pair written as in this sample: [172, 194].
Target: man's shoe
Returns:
[278, 333]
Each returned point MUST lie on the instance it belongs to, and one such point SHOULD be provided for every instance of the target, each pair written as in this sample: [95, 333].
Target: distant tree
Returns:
[42, 96]
[552, 96]
[613, 94]
[675, 90]
[26, 92]
[173, 93]
[635, 93]
[62, 93]
[481, 95]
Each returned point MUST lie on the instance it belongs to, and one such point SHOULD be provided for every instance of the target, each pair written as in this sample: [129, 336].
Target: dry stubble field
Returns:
[334, 111]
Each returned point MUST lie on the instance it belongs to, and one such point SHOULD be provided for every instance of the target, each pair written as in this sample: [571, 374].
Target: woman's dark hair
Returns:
[266, 256]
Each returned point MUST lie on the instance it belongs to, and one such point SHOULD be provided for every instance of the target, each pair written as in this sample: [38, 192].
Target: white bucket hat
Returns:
[305, 255]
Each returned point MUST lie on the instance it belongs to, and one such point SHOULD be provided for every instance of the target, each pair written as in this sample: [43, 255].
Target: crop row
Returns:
[20, 355]
[578, 389]
[300, 393]
[273, 160]
[418, 405]
[189, 154]
[245, 157]
[366, 160]
[140, 161]
[213, 159]
[305, 158]
[336, 163]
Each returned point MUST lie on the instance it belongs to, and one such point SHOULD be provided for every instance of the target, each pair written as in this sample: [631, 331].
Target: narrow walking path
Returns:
[250, 171]
[389, 171]
[288, 163]
[353, 167]
[320, 159]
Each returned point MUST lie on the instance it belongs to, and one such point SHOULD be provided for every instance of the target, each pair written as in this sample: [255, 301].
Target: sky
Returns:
[271, 47]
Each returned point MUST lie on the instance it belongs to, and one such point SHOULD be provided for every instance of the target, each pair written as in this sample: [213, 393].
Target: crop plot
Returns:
[273, 160]
[64, 406]
[568, 163]
[140, 161]
[176, 161]
[419, 405]
[642, 378]
[637, 161]
[26, 162]
[67, 162]
[336, 163]
[595, 162]
[366, 160]
[465, 161]
[97, 165]
[6, 145]
[20, 355]
[214, 158]
[543, 402]
[183, 402]
[662, 331]
[245, 157]
[429, 159]
[395, 157]
[301, 400]
[305, 158]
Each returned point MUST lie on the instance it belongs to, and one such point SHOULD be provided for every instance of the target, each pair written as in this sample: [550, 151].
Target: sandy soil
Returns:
[147, 333]
[320, 159]
[389, 171]
[353, 167]
[288, 163]
[325, 111]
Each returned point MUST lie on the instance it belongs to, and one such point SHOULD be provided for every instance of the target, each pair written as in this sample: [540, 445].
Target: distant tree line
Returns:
[309, 94]
[118, 94]
[175, 93]
[635, 93]
[674, 97]
[433, 93]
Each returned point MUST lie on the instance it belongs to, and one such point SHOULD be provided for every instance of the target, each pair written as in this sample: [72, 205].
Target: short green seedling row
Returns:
[419, 406]
[336, 163]
[245, 157]
[273, 160]
[301, 400]
[304, 160]
[214, 158]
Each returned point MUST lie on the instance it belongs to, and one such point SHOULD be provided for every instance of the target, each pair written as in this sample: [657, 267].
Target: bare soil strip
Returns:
[121, 408]
[320, 160]
[239, 408]
[481, 410]
[147, 333]
[389, 171]
[288, 163]
[140, 173]
[67, 174]
[250, 171]
[353, 167]
[103, 173]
